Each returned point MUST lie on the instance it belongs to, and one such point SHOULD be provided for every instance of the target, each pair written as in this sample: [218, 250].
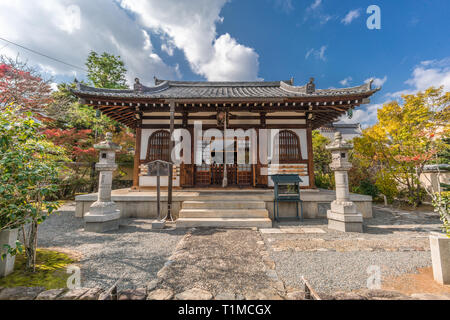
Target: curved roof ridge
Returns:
[84, 87]
[165, 89]
[222, 83]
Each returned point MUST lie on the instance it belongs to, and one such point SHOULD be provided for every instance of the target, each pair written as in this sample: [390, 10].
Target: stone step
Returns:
[224, 222]
[223, 213]
[218, 197]
[233, 204]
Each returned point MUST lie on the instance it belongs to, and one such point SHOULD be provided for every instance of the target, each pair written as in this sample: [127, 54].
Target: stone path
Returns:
[220, 263]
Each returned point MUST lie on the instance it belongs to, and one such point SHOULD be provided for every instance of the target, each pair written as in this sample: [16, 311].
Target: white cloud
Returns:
[346, 81]
[231, 61]
[352, 15]
[318, 54]
[366, 115]
[377, 82]
[168, 48]
[53, 28]
[428, 73]
[191, 27]
[315, 4]
[285, 5]
[48, 27]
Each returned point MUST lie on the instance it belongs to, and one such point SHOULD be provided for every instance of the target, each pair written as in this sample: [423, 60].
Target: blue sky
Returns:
[242, 40]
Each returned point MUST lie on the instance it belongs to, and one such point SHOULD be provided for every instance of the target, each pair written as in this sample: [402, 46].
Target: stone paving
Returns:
[221, 263]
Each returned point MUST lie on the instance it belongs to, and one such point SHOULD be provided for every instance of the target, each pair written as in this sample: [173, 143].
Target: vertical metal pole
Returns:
[225, 172]
[158, 190]
[170, 187]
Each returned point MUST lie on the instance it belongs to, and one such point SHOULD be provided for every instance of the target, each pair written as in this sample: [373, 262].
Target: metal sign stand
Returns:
[157, 169]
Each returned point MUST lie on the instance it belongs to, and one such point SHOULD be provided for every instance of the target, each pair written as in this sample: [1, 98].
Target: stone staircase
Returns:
[229, 211]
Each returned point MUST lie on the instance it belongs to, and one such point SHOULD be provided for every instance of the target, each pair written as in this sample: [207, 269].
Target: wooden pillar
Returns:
[312, 183]
[171, 145]
[137, 155]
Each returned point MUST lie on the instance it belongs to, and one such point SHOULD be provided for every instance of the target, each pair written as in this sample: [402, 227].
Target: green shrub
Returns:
[324, 180]
[368, 188]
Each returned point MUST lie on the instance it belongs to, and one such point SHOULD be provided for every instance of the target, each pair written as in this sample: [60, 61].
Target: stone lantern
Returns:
[103, 214]
[343, 215]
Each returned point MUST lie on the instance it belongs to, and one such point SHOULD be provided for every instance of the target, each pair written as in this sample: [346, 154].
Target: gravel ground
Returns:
[328, 272]
[394, 240]
[134, 249]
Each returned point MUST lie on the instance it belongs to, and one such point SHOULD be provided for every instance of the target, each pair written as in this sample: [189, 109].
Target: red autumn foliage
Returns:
[22, 86]
[77, 142]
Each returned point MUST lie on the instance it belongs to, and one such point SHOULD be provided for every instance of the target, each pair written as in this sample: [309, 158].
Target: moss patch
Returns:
[50, 271]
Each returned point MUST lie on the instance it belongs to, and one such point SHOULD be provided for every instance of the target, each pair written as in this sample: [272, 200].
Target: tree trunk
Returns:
[30, 247]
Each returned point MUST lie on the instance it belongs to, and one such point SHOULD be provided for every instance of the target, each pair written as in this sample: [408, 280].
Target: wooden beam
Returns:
[231, 126]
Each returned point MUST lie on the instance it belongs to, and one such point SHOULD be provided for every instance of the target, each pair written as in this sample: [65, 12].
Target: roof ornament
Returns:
[137, 85]
[157, 81]
[77, 84]
[310, 87]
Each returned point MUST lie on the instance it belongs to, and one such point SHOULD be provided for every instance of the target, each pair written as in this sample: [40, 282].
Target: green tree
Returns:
[322, 159]
[406, 137]
[72, 119]
[106, 71]
[322, 156]
[30, 170]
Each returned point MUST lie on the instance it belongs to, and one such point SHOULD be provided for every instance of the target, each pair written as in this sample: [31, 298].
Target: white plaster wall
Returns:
[301, 133]
[151, 181]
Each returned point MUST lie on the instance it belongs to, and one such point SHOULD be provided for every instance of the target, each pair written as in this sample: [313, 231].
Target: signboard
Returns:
[158, 168]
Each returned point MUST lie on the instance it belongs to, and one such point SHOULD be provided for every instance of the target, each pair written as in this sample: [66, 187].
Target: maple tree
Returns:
[406, 138]
[22, 86]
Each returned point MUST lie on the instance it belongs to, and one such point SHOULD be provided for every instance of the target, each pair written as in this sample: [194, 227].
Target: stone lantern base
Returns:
[102, 217]
[343, 217]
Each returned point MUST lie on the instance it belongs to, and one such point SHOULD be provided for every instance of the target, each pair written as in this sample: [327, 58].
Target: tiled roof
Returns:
[165, 89]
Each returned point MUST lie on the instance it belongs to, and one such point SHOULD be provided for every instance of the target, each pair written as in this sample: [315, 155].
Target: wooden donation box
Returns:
[287, 189]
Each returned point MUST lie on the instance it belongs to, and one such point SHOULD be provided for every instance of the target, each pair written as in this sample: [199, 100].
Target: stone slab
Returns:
[100, 227]
[440, 256]
[136, 294]
[291, 230]
[158, 225]
[270, 230]
[73, 294]
[52, 294]
[345, 226]
[20, 293]
[160, 294]
[225, 296]
[194, 294]
[91, 294]
[7, 237]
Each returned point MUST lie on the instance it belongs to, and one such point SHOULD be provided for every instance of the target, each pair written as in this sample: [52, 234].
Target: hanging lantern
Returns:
[350, 113]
